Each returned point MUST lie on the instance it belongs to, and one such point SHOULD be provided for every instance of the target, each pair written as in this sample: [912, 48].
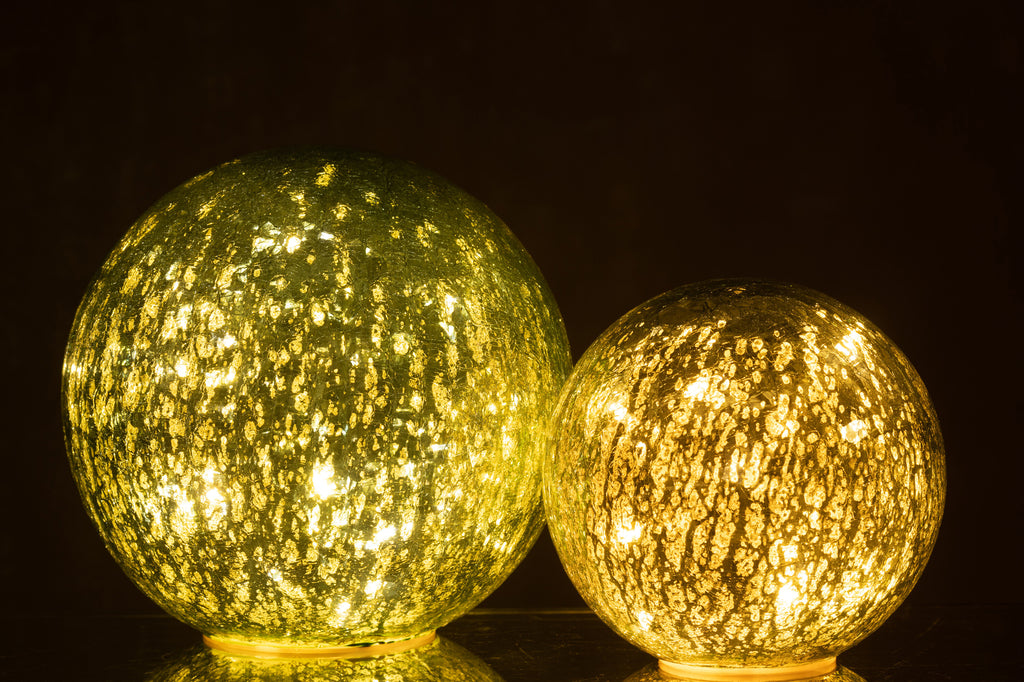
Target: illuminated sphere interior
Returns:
[744, 474]
[304, 400]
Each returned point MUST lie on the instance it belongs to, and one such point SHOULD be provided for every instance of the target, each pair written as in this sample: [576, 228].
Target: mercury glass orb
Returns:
[304, 400]
[744, 475]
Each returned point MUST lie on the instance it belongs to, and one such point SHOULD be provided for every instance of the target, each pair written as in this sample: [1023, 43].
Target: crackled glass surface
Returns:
[744, 473]
[440, 661]
[304, 399]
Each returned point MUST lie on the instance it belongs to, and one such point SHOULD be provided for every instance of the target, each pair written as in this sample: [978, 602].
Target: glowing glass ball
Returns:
[304, 400]
[744, 474]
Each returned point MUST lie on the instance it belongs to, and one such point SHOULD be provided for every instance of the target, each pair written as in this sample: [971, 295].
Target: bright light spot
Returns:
[850, 345]
[218, 377]
[323, 481]
[789, 552]
[373, 587]
[214, 496]
[181, 368]
[382, 535]
[752, 467]
[181, 319]
[228, 341]
[618, 410]
[854, 431]
[185, 506]
[275, 575]
[342, 608]
[785, 598]
[327, 236]
[706, 389]
[262, 244]
[208, 474]
[734, 467]
[698, 388]
[314, 520]
[438, 447]
[292, 243]
[644, 619]
[626, 535]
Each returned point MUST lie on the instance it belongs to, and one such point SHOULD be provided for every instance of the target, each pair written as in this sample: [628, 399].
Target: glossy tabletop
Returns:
[920, 642]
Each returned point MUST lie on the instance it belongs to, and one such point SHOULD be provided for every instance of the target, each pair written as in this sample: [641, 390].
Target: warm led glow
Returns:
[303, 400]
[744, 475]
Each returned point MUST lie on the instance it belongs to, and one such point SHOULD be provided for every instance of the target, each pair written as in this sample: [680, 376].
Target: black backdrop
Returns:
[871, 151]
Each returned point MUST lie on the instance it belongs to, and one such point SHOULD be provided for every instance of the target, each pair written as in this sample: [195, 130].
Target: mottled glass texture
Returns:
[304, 400]
[744, 473]
[440, 661]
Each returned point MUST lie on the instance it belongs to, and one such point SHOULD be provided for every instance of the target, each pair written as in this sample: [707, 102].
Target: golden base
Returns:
[236, 647]
[803, 671]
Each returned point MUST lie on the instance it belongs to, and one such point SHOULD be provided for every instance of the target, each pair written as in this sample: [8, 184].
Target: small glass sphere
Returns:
[744, 474]
[304, 400]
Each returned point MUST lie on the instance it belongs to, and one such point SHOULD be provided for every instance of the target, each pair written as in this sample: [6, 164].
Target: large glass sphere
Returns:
[304, 400]
[744, 474]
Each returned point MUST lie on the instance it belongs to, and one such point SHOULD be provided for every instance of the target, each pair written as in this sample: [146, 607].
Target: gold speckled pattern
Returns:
[440, 661]
[744, 474]
[304, 396]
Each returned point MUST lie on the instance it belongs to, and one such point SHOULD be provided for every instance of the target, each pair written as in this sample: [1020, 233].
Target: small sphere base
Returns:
[232, 646]
[802, 671]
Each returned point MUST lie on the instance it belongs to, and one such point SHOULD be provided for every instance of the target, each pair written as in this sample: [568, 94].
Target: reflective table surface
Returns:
[920, 642]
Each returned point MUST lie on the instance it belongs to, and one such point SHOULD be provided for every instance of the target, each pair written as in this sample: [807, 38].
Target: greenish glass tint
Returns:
[304, 400]
[744, 474]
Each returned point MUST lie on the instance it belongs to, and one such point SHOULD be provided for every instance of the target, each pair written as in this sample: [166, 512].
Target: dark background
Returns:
[871, 151]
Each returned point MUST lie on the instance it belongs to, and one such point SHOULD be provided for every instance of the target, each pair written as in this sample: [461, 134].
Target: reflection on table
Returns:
[920, 643]
[442, 659]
